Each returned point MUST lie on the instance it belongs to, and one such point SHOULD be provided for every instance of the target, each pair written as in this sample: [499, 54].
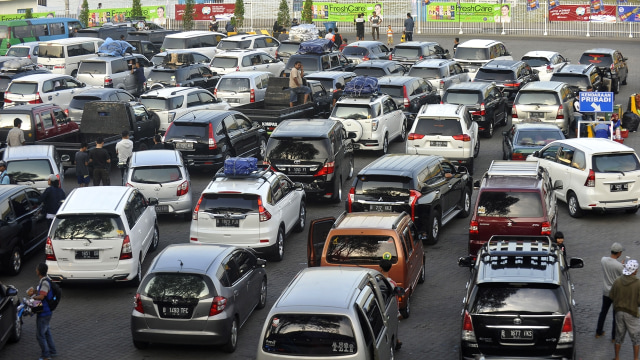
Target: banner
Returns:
[607, 13]
[329, 11]
[207, 11]
[156, 14]
[21, 16]
[629, 13]
[532, 5]
[472, 12]
[553, 4]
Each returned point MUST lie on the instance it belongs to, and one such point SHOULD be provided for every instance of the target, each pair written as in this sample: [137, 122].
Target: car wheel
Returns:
[263, 294]
[155, 240]
[278, 247]
[406, 312]
[262, 151]
[423, 273]
[476, 150]
[616, 86]
[302, 218]
[574, 206]
[351, 167]
[140, 344]
[14, 261]
[403, 132]
[135, 282]
[17, 329]
[385, 144]
[337, 192]
[465, 205]
[488, 133]
[433, 234]
[232, 342]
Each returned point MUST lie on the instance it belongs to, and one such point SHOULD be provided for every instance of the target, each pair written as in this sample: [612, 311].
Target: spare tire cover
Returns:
[351, 125]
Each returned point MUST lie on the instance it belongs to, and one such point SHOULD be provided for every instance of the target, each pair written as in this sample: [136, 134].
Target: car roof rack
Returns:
[513, 168]
[263, 172]
[521, 246]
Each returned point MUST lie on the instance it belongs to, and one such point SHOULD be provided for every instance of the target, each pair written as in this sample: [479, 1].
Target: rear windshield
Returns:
[29, 170]
[308, 63]
[174, 43]
[381, 185]
[466, 53]
[157, 59]
[529, 298]
[361, 249]
[357, 112]
[572, 79]
[224, 62]
[288, 48]
[93, 67]
[615, 163]
[355, 50]
[156, 174]
[188, 130]
[536, 61]
[462, 97]
[537, 98]
[51, 51]
[93, 227]
[6, 121]
[407, 52]
[23, 88]
[18, 51]
[427, 73]
[509, 204]
[396, 91]
[365, 71]
[537, 137]
[327, 84]
[599, 60]
[230, 44]
[445, 127]
[161, 104]
[288, 149]
[310, 334]
[78, 101]
[234, 203]
[234, 84]
[161, 286]
[4, 82]
[496, 75]
[162, 75]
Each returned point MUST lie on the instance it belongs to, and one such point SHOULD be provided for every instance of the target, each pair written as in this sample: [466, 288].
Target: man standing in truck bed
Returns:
[295, 84]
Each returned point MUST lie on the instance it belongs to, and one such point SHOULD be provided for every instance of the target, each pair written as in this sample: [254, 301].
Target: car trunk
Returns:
[235, 91]
[537, 104]
[21, 93]
[302, 159]
[614, 174]
[229, 218]
[159, 182]
[382, 193]
[441, 136]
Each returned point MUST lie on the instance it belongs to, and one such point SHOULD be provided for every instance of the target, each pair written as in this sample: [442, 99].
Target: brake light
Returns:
[467, 328]
[462, 137]
[512, 84]
[481, 112]
[108, 81]
[38, 99]
[66, 112]
[390, 57]
[138, 304]
[413, 198]
[59, 66]
[195, 211]
[212, 140]
[473, 227]
[48, 251]
[560, 114]
[276, 53]
[264, 214]
[365, 58]
[58, 177]
[518, 156]
[591, 179]
[237, 68]
[514, 113]
[126, 252]
[612, 67]
[183, 188]
[549, 68]
[566, 336]
[441, 86]
[351, 198]
[546, 228]
[217, 305]
[7, 101]
[421, 57]
[406, 96]
[215, 92]
[327, 169]
[414, 136]
[252, 96]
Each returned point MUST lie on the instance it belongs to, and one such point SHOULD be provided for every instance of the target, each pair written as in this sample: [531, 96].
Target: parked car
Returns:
[583, 77]
[39, 122]
[312, 63]
[204, 41]
[242, 87]
[198, 295]
[611, 62]
[484, 100]
[188, 75]
[550, 101]
[11, 329]
[246, 60]
[409, 92]
[260, 42]
[145, 48]
[441, 73]
[380, 68]
[196, 57]
[32, 165]
[76, 106]
[411, 52]
[27, 50]
[286, 49]
[545, 62]
[360, 51]
[43, 88]
[330, 79]
[527, 137]
[14, 69]
[509, 75]
[112, 71]
[473, 54]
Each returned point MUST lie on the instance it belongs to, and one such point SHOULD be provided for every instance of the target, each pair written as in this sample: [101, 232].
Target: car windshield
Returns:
[579, 80]
[157, 59]
[535, 61]
[288, 48]
[51, 51]
[162, 75]
[310, 334]
[537, 137]
[381, 185]
[396, 91]
[361, 249]
[444, 127]
[466, 53]
[174, 43]
[303, 149]
[427, 73]
[355, 51]
[78, 101]
[518, 298]
[92, 227]
[369, 71]
[495, 75]
[23, 88]
[310, 64]
[231, 44]
[6, 120]
[234, 85]
[162, 104]
[509, 204]
[224, 62]
[229, 203]
[29, 170]
[18, 51]
[537, 98]
[406, 52]
[616, 163]
[462, 97]
[181, 130]
[156, 174]
[92, 67]
[599, 60]
[348, 111]
[162, 286]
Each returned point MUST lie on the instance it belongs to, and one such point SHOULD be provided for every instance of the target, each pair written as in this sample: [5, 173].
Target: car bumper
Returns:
[179, 206]
[215, 331]
[125, 270]
[471, 351]
[592, 204]
[215, 161]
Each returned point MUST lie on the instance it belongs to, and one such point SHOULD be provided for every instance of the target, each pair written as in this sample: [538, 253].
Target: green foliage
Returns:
[28, 13]
[307, 14]
[284, 18]
[84, 13]
[187, 19]
[136, 9]
[238, 14]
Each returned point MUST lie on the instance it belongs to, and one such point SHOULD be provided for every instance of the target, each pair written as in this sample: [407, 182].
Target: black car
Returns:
[189, 75]
[10, 70]
[315, 152]
[207, 137]
[23, 225]
[409, 53]
[523, 139]
[519, 301]
[410, 92]
[11, 324]
[611, 62]
[428, 187]
[582, 77]
[380, 68]
[312, 63]
[485, 102]
[360, 51]
[509, 75]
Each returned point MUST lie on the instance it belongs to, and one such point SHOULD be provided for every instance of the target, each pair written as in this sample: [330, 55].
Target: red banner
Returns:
[582, 13]
[207, 11]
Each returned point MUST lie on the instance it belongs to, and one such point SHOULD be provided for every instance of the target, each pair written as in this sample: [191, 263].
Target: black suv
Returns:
[207, 137]
[190, 75]
[485, 101]
[380, 68]
[509, 75]
[583, 77]
[315, 152]
[23, 225]
[611, 62]
[413, 51]
[331, 61]
[410, 92]
[13, 69]
[519, 301]
[428, 187]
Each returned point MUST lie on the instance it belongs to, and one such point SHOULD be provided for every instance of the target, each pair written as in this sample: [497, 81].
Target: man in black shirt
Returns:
[337, 94]
[101, 161]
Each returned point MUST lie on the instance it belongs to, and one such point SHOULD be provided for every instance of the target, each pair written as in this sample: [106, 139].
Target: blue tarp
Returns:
[362, 86]
[317, 46]
[115, 47]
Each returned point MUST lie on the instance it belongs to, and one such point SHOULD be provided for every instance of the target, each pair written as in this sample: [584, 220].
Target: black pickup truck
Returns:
[107, 119]
[276, 107]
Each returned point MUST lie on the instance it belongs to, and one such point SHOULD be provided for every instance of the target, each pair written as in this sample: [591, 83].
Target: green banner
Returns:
[21, 16]
[470, 12]
[98, 17]
[330, 11]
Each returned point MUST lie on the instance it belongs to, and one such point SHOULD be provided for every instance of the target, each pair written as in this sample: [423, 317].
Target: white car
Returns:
[473, 54]
[246, 60]
[105, 238]
[265, 43]
[112, 71]
[239, 88]
[545, 62]
[54, 89]
[372, 120]
[255, 211]
[597, 174]
[172, 102]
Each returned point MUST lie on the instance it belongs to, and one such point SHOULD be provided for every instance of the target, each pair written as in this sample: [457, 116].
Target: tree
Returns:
[136, 9]
[84, 13]
[307, 14]
[238, 14]
[187, 18]
[28, 13]
[284, 18]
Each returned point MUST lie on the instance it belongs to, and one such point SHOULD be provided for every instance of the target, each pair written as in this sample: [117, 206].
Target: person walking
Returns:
[375, 21]
[625, 294]
[4, 177]
[611, 270]
[359, 26]
[337, 38]
[337, 94]
[101, 161]
[82, 166]
[124, 150]
[43, 330]
[51, 198]
[15, 137]
[229, 27]
[296, 86]
[138, 72]
[408, 28]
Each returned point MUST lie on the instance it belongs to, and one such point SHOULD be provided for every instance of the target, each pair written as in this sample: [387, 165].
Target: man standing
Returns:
[611, 270]
[52, 198]
[124, 150]
[456, 42]
[43, 331]
[82, 166]
[359, 27]
[408, 28]
[4, 177]
[138, 71]
[337, 94]
[625, 294]
[375, 21]
[295, 84]
[329, 35]
[15, 137]
[101, 161]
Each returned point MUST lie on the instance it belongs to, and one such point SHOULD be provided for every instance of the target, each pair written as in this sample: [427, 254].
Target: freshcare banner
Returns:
[21, 16]
[329, 11]
[101, 16]
[473, 12]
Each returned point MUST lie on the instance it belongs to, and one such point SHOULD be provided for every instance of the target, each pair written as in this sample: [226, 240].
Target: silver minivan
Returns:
[242, 87]
[112, 71]
[333, 311]
[549, 101]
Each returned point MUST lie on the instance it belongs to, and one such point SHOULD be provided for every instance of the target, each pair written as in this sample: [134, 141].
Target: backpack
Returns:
[56, 294]
[337, 39]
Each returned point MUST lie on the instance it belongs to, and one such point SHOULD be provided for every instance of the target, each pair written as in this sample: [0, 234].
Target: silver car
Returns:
[161, 174]
[27, 50]
[198, 295]
[549, 101]
[441, 73]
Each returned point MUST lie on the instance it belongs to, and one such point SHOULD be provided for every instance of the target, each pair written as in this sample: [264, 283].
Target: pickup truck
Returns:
[276, 107]
[107, 119]
[40, 122]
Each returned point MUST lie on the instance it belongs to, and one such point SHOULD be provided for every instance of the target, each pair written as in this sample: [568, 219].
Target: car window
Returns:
[565, 156]
[231, 270]
[245, 260]
[246, 61]
[124, 96]
[118, 66]
[259, 43]
[29, 170]
[161, 286]
[230, 123]
[335, 61]
[540, 300]
[240, 203]
[156, 174]
[579, 162]
[193, 100]
[361, 249]
[59, 116]
[407, 245]
[293, 149]
[439, 126]
[388, 106]
[71, 84]
[386, 289]
[6, 213]
[276, 192]
[47, 119]
[20, 204]
[509, 204]
[537, 98]
[271, 42]
[462, 97]
[266, 58]
[374, 315]
[347, 111]
[550, 153]
[206, 98]
[113, 97]
[243, 123]
[615, 163]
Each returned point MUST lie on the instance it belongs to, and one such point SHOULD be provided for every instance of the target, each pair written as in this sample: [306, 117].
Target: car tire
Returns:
[16, 333]
[155, 240]
[385, 145]
[423, 272]
[403, 132]
[135, 282]
[488, 133]
[433, 232]
[277, 253]
[465, 205]
[140, 344]
[262, 150]
[232, 342]
[351, 167]
[476, 150]
[13, 264]
[574, 206]
[337, 192]
[302, 218]
[263, 294]
[406, 311]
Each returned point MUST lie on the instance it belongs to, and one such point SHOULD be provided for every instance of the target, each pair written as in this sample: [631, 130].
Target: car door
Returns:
[23, 211]
[370, 307]
[207, 101]
[429, 94]
[507, 143]
[317, 237]
[246, 139]
[392, 118]
[247, 267]
[237, 142]
[48, 122]
[564, 169]
[209, 81]
[145, 127]
[142, 230]
[289, 203]
[70, 88]
[39, 221]
[547, 158]
[241, 300]
[271, 46]
[7, 316]
[456, 185]
[62, 122]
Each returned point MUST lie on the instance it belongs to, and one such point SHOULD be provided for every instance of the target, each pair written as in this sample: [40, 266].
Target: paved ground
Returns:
[93, 320]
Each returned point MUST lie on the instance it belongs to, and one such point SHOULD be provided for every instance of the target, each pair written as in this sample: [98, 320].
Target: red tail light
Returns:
[591, 179]
[351, 198]
[252, 96]
[441, 86]
[560, 114]
[512, 84]
[48, 251]
[612, 67]
[276, 54]
[413, 198]
[514, 113]
[549, 68]
[414, 136]
[481, 112]
[365, 58]
[108, 81]
[390, 57]
[217, 305]
[66, 112]
[264, 214]
[215, 92]
[473, 227]
[7, 101]
[127, 251]
[212, 140]
[546, 228]
[38, 99]
[237, 68]
[183, 188]
[518, 156]
[195, 212]
[327, 169]
[406, 96]
[462, 137]
[129, 185]
[566, 336]
[421, 57]
[138, 304]
[59, 66]
[467, 328]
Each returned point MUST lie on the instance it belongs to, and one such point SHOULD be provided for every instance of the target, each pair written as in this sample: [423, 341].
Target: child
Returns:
[389, 35]
[560, 243]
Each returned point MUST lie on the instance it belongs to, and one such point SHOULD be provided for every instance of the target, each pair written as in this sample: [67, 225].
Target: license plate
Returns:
[184, 146]
[536, 114]
[619, 187]
[439, 143]
[227, 223]
[298, 170]
[516, 334]
[175, 311]
[380, 208]
[231, 100]
[162, 208]
[88, 254]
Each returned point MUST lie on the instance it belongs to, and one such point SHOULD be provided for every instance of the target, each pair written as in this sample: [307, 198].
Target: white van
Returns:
[204, 42]
[242, 87]
[63, 56]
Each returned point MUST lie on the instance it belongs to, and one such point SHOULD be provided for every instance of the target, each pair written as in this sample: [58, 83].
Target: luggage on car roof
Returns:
[317, 46]
[362, 86]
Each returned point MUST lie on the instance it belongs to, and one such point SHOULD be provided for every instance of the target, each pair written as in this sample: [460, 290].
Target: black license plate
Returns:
[438, 143]
[516, 334]
[227, 223]
[184, 146]
[162, 208]
[88, 254]
[232, 100]
[619, 187]
[176, 311]
[380, 207]
[298, 170]
[536, 115]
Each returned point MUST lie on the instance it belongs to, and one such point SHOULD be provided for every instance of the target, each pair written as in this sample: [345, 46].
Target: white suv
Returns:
[473, 54]
[446, 130]
[597, 174]
[105, 238]
[172, 102]
[246, 60]
[372, 121]
[265, 43]
[54, 89]
[256, 211]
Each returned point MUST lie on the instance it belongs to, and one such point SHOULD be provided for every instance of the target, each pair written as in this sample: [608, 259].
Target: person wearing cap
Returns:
[15, 137]
[52, 197]
[625, 294]
[611, 270]
[4, 177]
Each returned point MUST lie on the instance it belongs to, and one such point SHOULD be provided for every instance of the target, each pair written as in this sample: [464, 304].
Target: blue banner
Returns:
[532, 5]
[553, 3]
[629, 13]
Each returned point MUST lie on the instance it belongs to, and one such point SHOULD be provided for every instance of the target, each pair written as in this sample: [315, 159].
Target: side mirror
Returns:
[465, 261]
[536, 154]
[351, 135]
[576, 263]
[462, 170]
[11, 291]
[465, 70]
[83, 85]
[350, 61]
[65, 158]
[298, 186]
[536, 71]
[557, 185]
[261, 263]
[153, 201]
[399, 291]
